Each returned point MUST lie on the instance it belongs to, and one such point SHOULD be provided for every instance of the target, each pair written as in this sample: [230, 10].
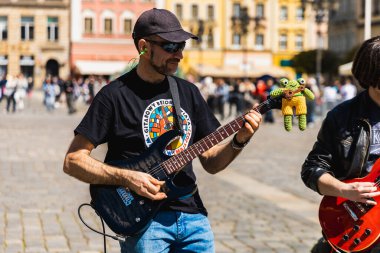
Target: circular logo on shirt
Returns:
[158, 118]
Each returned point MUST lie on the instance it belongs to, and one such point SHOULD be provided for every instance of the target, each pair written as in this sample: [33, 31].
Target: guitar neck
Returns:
[177, 162]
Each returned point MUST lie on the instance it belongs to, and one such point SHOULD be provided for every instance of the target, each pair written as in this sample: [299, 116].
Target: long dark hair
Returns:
[366, 64]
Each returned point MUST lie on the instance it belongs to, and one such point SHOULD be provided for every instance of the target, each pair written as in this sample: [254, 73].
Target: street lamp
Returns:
[241, 23]
[320, 7]
[200, 32]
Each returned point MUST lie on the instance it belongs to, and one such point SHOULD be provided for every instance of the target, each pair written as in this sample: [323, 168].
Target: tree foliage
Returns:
[306, 62]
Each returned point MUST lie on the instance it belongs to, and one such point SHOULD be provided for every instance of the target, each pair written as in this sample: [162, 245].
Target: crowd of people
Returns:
[226, 98]
[235, 96]
[56, 91]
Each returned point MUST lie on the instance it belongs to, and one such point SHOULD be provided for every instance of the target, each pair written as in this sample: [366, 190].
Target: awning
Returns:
[345, 69]
[236, 72]
[100, 67]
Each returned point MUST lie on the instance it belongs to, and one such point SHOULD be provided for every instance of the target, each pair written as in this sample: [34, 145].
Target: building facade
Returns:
[295, 30]
[203, 18]
[346, 25]
[244, 38]
[34, 38]
[101, 35]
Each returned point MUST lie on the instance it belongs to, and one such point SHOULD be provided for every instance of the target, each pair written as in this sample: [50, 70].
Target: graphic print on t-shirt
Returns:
[158, 118]
[375, 144]
[374, 147]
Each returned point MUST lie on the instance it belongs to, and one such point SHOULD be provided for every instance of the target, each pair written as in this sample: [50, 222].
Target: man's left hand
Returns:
[253, 120]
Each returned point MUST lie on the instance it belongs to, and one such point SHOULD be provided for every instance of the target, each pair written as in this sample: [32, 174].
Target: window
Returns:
[210, 38]
[284, 13]
[259, 41]
[299, 42]
[3, 28]
[178, 10]
[27, 28]
[108, 26]
[283, 41]
[52, 29]
[27, 65]
[376, 7]
[127, 26]
[260, 10]
[236, 10]
[88, 26]
[300, 13]
[194, 11]
[210, 12]
[3, 64]
[236, 39]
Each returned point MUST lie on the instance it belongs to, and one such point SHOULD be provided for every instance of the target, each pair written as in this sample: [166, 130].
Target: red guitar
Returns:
[351, 226]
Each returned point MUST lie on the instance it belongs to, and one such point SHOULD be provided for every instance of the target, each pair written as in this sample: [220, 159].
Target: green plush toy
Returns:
[294, 95]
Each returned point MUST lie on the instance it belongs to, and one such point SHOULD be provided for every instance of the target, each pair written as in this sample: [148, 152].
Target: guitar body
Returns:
[125, 212]
[351, 226]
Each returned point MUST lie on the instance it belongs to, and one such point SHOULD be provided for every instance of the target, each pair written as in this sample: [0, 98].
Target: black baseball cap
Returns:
[160, 22]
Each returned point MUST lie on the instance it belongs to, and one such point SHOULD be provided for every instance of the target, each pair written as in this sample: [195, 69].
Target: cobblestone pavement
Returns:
[258, 204]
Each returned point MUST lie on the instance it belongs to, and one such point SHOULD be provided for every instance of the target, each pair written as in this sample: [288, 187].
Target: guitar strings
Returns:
[168, 162]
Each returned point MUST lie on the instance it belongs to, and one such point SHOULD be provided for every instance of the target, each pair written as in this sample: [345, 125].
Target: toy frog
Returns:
[294, 95]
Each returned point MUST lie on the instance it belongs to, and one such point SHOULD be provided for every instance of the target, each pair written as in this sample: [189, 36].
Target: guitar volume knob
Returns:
[356, 227]
[357, 241]
[345, 237]
[367, 231]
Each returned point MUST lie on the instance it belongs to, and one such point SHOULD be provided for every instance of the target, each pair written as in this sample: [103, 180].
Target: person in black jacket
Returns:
[348, 143]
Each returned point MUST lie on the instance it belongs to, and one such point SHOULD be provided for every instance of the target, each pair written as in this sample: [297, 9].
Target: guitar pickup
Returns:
[350, 212]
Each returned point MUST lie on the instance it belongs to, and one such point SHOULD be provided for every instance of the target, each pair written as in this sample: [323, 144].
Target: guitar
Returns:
[351, 226]
[127, 213]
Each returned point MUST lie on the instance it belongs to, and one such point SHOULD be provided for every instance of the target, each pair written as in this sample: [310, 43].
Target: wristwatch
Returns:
[237, 145]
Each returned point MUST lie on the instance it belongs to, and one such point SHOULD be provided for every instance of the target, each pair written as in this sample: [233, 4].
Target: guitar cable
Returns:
[104, 234]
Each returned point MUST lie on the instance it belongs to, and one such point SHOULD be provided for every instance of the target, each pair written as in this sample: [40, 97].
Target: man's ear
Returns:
[142, 46]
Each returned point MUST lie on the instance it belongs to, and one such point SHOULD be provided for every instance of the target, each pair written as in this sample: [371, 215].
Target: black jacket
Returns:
[342, 144]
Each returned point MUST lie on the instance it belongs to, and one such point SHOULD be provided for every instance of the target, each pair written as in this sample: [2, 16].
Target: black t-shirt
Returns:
[130, 114]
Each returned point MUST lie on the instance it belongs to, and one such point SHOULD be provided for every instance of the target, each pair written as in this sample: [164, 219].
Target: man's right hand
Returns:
[145, 185]
[355, 191]
[361, 192]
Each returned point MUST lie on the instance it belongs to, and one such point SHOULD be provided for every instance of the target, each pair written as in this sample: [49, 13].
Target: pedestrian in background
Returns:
[221, 96]
[49, 87]
[330, 96]
[270, 86]
[3, 83]
[236, 98]
[69, 89]
[348, 90]
[348, 142]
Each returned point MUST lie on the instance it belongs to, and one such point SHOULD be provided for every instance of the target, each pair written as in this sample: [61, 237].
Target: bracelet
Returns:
[237, 145]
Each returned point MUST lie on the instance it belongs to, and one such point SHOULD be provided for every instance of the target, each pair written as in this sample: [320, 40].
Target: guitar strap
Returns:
[177, 106]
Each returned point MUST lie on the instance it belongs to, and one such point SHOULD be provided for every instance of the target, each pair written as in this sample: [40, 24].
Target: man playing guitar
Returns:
[347, 146]
[128, 115]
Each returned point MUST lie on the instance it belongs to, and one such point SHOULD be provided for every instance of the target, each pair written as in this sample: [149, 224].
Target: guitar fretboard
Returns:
[178, 161]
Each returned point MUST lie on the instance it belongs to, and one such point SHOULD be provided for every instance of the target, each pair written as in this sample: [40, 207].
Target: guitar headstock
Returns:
[269, 104]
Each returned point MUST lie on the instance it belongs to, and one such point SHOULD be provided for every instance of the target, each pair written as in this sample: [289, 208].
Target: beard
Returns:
[164, 68]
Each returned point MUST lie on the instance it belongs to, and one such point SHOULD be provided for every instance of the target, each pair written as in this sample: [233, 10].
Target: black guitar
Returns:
[127, 213]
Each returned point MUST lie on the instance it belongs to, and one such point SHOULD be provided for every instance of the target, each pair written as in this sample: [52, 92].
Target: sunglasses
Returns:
[170, 47]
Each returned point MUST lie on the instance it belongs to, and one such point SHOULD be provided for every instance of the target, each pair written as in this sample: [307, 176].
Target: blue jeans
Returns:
[171, 232]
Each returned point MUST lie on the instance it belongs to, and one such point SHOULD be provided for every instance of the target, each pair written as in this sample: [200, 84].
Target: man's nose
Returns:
[179, 54]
